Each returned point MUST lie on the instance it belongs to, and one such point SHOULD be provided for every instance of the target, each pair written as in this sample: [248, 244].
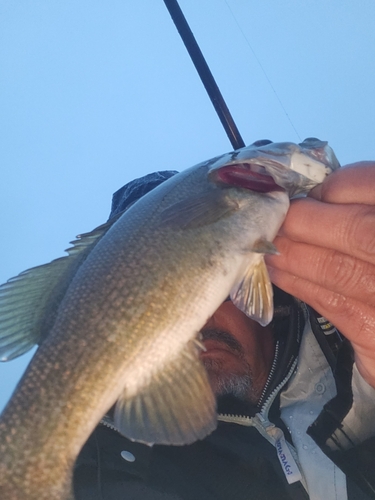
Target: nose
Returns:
[221, 317]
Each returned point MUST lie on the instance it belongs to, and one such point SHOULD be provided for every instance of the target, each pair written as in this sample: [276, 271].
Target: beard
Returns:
[225, 383]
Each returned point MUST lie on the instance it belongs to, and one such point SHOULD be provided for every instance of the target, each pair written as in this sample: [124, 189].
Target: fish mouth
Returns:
[247, 175]
[267, 166]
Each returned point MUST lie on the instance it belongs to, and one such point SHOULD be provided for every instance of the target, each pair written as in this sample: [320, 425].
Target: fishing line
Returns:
[262, 69]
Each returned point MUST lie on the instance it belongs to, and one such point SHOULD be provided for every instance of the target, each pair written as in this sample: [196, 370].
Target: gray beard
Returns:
[240, 386]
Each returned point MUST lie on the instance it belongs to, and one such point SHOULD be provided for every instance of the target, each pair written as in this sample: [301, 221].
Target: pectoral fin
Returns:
[254, 294]
[176, 408]
[201, 210]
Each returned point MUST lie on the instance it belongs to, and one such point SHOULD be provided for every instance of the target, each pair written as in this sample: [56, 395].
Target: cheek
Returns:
[225, 362]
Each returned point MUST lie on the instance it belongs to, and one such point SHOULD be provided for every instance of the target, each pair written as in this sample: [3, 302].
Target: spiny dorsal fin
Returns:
[29, 301]
[177, 407]
[254, 294]
[85, 240]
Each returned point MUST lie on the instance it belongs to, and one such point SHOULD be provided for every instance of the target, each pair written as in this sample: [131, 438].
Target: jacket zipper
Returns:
[108, 422]
[286, 452]
[262, 416]
[271, 373]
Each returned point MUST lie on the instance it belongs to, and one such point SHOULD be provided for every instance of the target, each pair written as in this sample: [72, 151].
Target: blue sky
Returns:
[94, 93]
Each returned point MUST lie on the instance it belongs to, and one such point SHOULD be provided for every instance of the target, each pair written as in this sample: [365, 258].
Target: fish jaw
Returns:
[295, 168]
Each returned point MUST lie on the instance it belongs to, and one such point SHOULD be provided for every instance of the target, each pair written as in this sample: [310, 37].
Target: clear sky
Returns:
[94, 93]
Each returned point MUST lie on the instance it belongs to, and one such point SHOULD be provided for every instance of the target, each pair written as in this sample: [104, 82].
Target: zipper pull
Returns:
[266, 424]
[288, 464]
[284, 454]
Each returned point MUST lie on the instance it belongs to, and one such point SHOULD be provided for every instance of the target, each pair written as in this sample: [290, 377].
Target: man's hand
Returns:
[327, 247]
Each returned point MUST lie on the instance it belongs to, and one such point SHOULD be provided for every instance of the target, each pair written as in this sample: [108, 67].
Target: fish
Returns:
[117, 321]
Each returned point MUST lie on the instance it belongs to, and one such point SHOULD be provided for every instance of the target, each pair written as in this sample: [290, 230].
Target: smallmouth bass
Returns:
[118, 319]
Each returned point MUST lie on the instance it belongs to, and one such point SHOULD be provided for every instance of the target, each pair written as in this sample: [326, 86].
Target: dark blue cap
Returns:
[133, 190]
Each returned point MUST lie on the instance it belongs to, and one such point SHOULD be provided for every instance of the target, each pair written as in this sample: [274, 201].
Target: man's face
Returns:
[239, 353]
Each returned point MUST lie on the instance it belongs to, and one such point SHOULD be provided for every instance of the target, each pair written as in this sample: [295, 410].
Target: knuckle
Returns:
[362, 321]
[335, 303]
[360, 233]
[367, 284]
[341, 270]
[355, 320]
[331, 304]
[350, 276]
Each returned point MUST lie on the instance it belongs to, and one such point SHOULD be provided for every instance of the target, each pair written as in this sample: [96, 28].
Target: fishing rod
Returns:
[205, 74]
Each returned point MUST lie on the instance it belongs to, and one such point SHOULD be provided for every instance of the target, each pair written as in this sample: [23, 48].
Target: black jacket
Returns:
[234, 462]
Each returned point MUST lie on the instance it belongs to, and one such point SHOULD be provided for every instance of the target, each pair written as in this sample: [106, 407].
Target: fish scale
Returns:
[134, 294]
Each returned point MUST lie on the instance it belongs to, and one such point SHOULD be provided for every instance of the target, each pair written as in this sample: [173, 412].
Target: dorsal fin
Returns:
[29, 301]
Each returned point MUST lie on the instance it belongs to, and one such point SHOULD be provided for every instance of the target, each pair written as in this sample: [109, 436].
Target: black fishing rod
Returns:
[205, 74]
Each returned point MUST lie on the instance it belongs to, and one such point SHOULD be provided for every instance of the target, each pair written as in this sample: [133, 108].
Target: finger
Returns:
[349, 229]
[333, 270]
[355, 321]
[353, 183]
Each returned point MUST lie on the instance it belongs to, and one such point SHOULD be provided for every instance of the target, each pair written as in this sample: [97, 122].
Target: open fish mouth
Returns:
[271, 166]
[248, 175]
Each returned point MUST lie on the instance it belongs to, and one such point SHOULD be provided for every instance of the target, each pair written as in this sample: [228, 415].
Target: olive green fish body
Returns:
[126, 328]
